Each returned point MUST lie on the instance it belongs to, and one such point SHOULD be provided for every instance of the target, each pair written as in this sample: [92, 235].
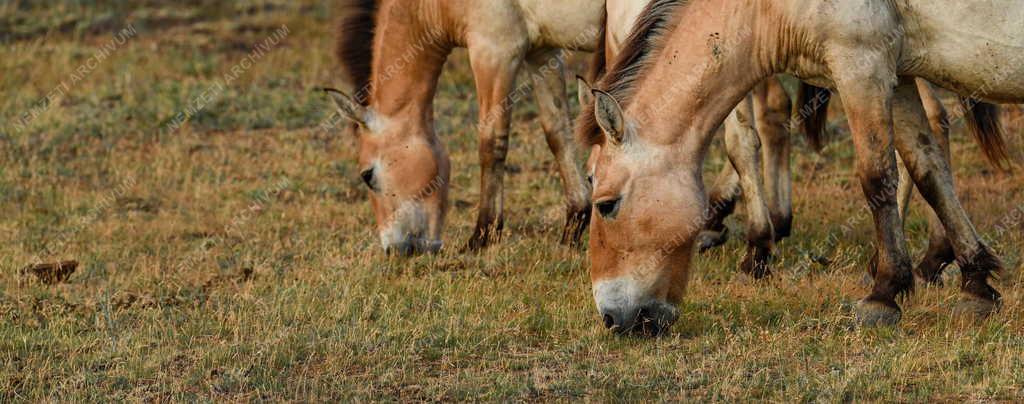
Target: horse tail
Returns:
[983, 122]
[811, 113]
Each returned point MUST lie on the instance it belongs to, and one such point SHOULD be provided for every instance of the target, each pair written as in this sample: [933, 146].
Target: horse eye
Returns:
[608, 208]
[367, 176]
[590, 179]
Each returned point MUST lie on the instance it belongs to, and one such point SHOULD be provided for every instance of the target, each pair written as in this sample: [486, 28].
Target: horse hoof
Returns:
[476, 244]
[875, 314]
[757, 263]
[709, 239]
[973, 307]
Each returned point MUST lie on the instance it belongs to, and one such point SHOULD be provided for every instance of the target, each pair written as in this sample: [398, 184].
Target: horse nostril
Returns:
[648, 321]
[608, 208]
[609, 321]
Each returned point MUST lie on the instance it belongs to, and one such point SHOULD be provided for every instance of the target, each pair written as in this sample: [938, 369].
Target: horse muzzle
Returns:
[623, 311]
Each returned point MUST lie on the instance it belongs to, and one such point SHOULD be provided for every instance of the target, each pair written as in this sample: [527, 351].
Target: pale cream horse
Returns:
[392, 53]
[757, 141]
[690, 62]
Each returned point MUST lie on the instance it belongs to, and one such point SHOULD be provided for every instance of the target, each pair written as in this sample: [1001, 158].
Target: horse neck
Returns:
[702, 72]
[411, 46]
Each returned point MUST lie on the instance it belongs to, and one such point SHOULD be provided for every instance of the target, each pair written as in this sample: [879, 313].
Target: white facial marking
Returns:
[616, 293]
[375, 123]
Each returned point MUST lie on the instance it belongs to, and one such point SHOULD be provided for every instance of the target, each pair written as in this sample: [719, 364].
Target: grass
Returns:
[231, 259]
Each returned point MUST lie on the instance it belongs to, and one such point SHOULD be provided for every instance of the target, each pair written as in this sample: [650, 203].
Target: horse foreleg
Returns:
[867, 102]
[548, 75]
[928, 164]
[772, 112]
[744, 149]
[494, 70]
[725, 192]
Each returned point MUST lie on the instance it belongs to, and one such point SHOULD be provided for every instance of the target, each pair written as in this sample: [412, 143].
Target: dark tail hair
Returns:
[811, 113]
[982, 120]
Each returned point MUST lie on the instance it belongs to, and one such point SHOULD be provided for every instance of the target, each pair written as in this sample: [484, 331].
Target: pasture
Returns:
[225, 248]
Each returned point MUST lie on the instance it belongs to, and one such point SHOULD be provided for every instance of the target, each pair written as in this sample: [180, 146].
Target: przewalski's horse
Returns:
[393, 51]
[771, 109]
[690, 62]
[766, 160]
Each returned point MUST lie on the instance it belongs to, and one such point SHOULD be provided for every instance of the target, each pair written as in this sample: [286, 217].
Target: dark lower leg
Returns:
[721, 204]
[743, 146]
[553, 103]
[939, 254]
[490, 220]
[928, 163]
[870, 119]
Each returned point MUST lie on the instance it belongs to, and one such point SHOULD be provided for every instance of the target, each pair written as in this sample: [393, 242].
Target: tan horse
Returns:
[686, 66]
[770, 213]
[403, 162]
[766, 159]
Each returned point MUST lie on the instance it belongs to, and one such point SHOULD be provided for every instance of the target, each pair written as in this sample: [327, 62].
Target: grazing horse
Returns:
[392, 53]
[770, 204]
[688, 63]
[769, 221]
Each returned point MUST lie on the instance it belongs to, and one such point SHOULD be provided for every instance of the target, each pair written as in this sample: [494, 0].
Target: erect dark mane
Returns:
[357, 20]
[643, 43]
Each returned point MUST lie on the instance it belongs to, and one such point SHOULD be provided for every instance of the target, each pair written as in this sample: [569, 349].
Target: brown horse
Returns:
[769, 211]
[688, 63]
[393, 51]
[766, 184]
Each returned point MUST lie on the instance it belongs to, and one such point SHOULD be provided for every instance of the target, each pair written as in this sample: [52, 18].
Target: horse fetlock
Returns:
[718, 209]
[709, 239]
[485, 233]
[757, 262]
[783, 225]
[938, 256]
[976, 273]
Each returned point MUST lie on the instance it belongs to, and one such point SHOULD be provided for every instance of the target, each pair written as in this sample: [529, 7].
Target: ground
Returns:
[226, 252]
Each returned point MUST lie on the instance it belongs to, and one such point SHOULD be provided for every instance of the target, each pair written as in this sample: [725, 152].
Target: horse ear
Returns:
[609, 116]
[349, 107]
[584, 92]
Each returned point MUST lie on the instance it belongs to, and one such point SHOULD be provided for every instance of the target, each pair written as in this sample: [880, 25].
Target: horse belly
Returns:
[568, 24]
[975, 48]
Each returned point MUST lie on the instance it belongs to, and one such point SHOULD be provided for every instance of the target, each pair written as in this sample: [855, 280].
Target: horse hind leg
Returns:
[940, 251]
[548, 76]
[928, 164]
